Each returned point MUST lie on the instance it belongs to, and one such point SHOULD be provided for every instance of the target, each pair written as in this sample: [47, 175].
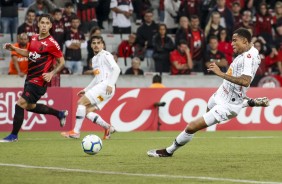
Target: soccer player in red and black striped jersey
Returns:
[42, 52]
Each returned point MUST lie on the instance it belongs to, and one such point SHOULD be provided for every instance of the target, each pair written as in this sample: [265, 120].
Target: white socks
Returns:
[80, 115]
[95, 118]
[180, 140]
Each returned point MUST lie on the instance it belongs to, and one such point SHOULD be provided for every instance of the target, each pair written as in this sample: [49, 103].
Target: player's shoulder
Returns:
[53, 42]
[34, 37]
[106, 53]
[253, 52]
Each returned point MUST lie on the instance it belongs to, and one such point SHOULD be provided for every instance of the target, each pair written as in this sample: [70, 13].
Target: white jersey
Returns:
[246, 63]
[105, 69]
[119, 19]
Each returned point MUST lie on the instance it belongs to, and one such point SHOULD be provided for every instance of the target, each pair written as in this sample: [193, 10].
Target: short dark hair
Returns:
[213, 37]
[46, 15]
[157, 79]
[30, 11]
[97, 37]
[245, 33]
[182, 42]
[68, 4]
[57, 10]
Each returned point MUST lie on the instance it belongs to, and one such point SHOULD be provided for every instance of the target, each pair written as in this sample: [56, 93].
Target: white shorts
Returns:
[97, 95]
[220, 111]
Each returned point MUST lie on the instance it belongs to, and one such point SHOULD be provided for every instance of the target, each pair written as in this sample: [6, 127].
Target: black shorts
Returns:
[32, 92]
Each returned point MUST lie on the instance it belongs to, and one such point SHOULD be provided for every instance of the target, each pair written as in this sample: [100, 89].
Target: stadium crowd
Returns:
[174, 36]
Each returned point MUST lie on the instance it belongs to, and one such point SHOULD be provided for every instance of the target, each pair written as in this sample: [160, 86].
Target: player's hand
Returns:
[109, 90]
[47, 76]
[214, 68]
[81, 93]
[8, 46]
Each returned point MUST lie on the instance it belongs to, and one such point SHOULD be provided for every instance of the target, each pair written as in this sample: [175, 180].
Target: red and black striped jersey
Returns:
[42, 55]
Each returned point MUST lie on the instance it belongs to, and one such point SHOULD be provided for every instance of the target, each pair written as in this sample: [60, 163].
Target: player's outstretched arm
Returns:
[11, 47]
[243, 80]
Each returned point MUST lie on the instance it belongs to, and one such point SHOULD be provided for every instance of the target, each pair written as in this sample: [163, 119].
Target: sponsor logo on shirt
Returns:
[33, 56]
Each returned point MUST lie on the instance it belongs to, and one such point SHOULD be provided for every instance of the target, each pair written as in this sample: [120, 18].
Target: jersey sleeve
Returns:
[115, 69]
[56, 51]
[248, 63]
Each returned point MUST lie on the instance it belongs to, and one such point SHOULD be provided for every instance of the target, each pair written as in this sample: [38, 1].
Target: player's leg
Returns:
[256, 102]
[82, 104]
[17, 121]
[96, 118]
[208, 119]
[32, 94]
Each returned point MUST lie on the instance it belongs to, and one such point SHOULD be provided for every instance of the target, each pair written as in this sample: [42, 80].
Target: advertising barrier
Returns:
[135, 109]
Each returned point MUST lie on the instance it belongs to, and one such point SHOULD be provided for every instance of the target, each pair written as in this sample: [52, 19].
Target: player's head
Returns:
[97, 43]
[45, 23]
[241, 40]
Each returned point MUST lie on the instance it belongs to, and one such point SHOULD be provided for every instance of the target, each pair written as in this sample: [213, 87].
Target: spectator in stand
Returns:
[213, 55]
[196, 42]
[42, 7]
[206, 7]
[278, 13]
[86, 12]
[103, 11]
[135, 67]
[226, 17]
[122, 12]
[224, 45]
[145, 35]
[19, 63]
[127, 47]
[170, 16]
[276, 54]
[9, 16]
[213, 26]
[162, 45]
[242, 3]
[236, 12]
[161, 11]
[263, 22]
[68, 13]
[181, 60]
[30, 25]
[183, 30]
[140, 7]
[262, 70]
[246, 22]
[58, 28]
[189, 8]
[157, 82]
[75, 41]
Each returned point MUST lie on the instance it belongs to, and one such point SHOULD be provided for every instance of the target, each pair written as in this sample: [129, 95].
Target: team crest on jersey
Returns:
[33, 56]
[249, 56]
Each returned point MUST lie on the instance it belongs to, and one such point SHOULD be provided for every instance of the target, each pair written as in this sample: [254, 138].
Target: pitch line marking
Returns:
[139, 174]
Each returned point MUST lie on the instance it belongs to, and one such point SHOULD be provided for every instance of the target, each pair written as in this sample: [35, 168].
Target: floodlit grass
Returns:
[212, 157]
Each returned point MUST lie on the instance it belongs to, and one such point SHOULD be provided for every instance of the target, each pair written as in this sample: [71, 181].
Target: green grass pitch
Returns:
[212, 157]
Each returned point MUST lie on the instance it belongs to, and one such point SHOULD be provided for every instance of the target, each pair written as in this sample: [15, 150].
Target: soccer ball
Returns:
[91, 144]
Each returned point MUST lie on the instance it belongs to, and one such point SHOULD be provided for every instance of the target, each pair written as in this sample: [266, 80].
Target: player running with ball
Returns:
[229, 99]
[98, 92]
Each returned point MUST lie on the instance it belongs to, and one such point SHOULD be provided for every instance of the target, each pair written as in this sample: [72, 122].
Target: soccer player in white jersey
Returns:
[228, 100]
[99, 91]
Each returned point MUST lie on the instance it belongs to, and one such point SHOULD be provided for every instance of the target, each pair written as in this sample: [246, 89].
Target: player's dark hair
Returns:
[157, 79]
[46, 15]
[97, 37]
[245, 33]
